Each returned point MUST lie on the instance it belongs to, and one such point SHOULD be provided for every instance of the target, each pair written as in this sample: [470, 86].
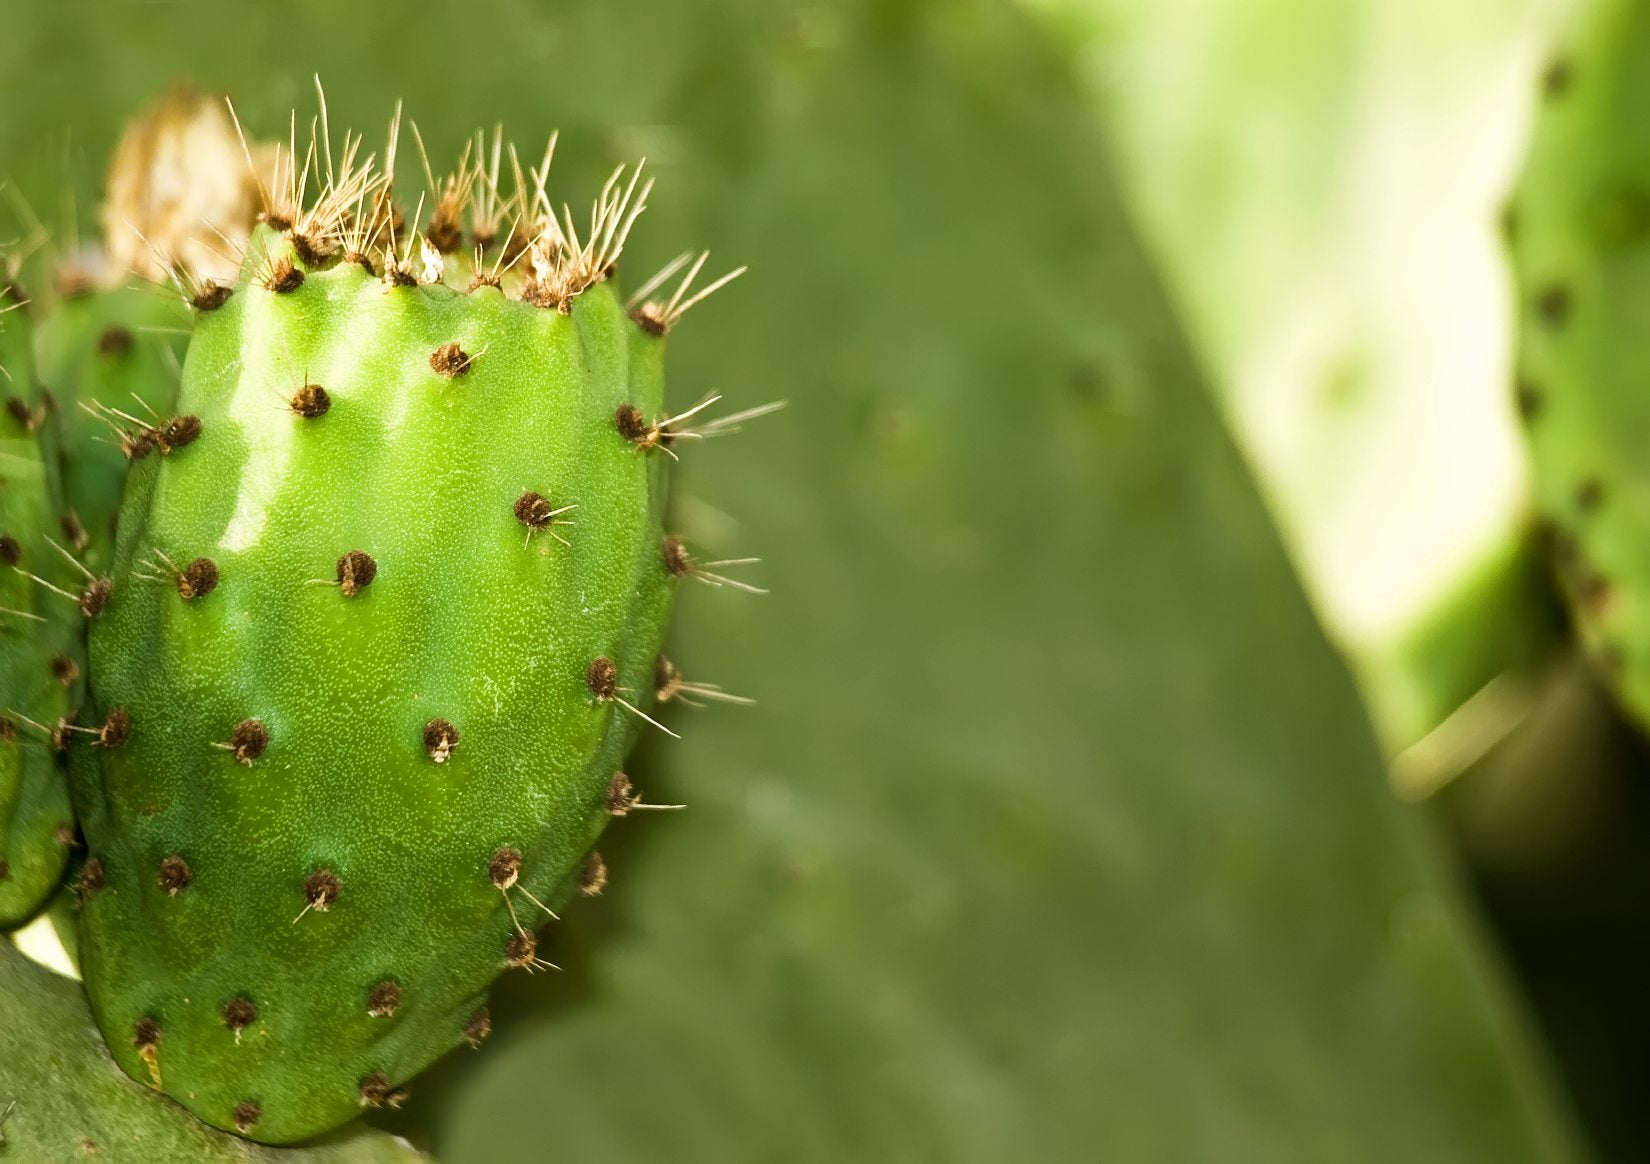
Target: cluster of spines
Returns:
[475, 235]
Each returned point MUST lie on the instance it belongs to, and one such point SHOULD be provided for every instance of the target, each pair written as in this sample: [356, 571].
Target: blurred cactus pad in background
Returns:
[1206, 423]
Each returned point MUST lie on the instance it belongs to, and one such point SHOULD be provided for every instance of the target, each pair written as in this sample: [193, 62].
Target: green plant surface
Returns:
[1322, 183]
[1058, 832]
[62, 1099]
[108, 348]
[1581, 219]
[342, 806]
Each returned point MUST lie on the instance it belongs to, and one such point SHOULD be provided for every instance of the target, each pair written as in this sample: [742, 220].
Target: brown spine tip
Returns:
[446, 235]
[283, 277]
[8, 731]
[175, 875]
[356, 570]
[677, 562]
[383, 999]
[246, 1116]
[91, 877]
[593, 875]
[136, 446]
[374, 1089]
[504, 868]
[478, 1026]
[73, 530]
[440, 738]
[65, 670]
[20, 412]
[521, 950]
[321, 889]
[116, 340]
[534, 510]
[667, 680]
[64, 835]
[248, 741]
[117, 728]
[238, 1014]
[146, 1035]
[94, 597]
[211, 296]
[602, 677]
[311, 401]
[621, 795]
[198, 579]
[628, 419]
[651, 318]
[11, 553]
[178, 432]
[315, 251]
[449, 360]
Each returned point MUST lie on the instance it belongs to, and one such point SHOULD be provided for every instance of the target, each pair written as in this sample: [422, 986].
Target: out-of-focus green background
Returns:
[1139, 356]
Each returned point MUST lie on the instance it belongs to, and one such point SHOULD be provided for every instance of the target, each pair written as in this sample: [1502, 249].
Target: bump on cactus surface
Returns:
[388, 601]
[1577, 227]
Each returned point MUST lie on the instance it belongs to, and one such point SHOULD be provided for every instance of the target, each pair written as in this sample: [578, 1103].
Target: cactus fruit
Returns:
[387, 609]
[1577, 229]
[40, 658]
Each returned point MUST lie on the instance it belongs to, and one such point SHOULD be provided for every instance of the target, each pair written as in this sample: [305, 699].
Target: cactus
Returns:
[1577, 228]
[40, 660]
[388, 604]
[61, 1098]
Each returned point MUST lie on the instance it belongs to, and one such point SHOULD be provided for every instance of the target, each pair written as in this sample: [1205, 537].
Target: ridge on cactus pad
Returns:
[389, 595]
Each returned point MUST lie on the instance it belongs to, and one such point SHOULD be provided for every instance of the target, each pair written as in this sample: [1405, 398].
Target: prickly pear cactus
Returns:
[1578, 228]
[61, 1099]
[40, 663]
[389, 596]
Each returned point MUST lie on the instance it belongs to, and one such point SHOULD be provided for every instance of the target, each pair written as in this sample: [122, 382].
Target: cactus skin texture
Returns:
[40, 661]
[396, 717]
[62, 1100]
[1577, 226]
[117, 348]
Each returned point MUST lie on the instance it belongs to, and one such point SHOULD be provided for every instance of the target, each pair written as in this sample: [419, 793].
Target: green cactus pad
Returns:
[1578, 229]
[103, 353]
[62, 1100]
[383, 624]
[40, 663]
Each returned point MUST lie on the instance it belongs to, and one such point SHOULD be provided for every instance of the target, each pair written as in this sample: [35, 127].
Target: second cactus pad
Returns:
[383, 623]
[1578, 229]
